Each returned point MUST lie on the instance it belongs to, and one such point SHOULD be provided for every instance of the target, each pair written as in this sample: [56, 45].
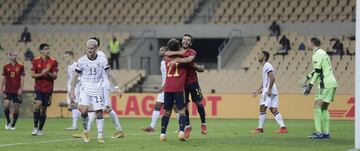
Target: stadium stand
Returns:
[284, 11]
[289, 69]
[10, 10]
[119, 12]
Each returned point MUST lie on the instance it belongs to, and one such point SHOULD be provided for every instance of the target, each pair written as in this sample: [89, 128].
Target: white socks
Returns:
[154, 118]
[262, 118]
[115, 120]
[279, 119]
[100, 127]
[75, 116]
[91, 116]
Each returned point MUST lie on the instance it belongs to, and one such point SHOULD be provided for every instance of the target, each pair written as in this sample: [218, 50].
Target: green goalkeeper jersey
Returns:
[322, 72]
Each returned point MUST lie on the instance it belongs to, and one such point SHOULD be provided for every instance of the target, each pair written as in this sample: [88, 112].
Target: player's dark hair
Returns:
[188, 35]
[266, 55]
[43, 45]
[173, 45]
[97, 40]
[69, 52]
[316, 41]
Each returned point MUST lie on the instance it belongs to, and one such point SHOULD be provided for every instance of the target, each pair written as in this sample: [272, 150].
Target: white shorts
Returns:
[160, 97]
[97, 102]
[269, 101]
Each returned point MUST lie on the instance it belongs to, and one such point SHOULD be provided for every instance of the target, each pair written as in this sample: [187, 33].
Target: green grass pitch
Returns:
[223, 135]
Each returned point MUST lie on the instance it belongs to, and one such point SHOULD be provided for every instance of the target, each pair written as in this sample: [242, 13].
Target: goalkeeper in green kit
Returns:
[323, 75]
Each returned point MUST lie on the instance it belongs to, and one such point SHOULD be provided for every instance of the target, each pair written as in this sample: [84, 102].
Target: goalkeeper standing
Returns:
[322, 74]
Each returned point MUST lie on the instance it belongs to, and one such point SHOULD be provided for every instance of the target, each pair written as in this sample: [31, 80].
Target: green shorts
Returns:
[326, 95]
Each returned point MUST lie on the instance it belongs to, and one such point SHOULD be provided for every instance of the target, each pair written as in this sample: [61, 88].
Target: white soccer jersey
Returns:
[70, 73]
[163, 72]
[160, 97]
[266, 79]
[106, 78]
[92, 74]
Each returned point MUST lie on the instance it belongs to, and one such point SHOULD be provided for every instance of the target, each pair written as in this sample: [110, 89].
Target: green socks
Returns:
[317, 119]
[325, 121]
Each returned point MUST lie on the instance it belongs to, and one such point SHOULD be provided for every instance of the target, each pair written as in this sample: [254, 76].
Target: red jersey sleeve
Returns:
[4, 70]
[54, 67]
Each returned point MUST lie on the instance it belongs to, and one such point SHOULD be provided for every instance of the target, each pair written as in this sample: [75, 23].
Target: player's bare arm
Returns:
[53, 74]
[199, 68]
[173, 53]
[181, 60]
[272, 81]
[72, 88]
[36, 75]
[2, 84]
[114, 82]
[20, 91]
[258, 91]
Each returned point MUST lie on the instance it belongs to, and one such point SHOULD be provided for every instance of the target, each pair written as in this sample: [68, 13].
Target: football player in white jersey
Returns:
[269, 95]
[92, 69]
[160, 97]
[108, 109]
[69, 59]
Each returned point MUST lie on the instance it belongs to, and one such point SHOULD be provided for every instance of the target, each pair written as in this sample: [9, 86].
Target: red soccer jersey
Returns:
[191, 75]
[45, 83]
[175, 77]
[12, 74]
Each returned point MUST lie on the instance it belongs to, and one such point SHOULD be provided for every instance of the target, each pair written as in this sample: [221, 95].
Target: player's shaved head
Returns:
[173, 45]
[266, 55]
[92, 43]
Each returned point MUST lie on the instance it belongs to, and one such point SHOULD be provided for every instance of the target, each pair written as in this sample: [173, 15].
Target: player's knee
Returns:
[99, 116]
[199, 105]
[158, 105]
[167, 113]
[156, 108]
[84, 115]
[263, 108]
[108, 109]
[273, 110]
[43, 111]
[182, 111]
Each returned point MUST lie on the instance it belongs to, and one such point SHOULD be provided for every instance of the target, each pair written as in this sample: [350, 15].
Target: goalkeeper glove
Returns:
[308, 89]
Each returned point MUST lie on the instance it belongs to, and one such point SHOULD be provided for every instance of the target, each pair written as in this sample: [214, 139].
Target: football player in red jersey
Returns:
[191, 84]
[44, 71]
[174, 92]
[13, 80]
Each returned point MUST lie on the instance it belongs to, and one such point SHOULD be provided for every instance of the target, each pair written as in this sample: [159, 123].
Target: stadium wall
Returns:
[244, 106]
[198, 30]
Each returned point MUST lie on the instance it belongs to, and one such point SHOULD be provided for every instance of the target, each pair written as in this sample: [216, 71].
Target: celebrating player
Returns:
[44, 71]
[325, 94]
[191, 85]
[269, 95]
[174, 92]
[69, 59]
[13, 80]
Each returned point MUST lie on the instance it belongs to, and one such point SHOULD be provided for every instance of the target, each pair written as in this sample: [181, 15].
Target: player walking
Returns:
[269, 95]
[13, 80]
[44, 71]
